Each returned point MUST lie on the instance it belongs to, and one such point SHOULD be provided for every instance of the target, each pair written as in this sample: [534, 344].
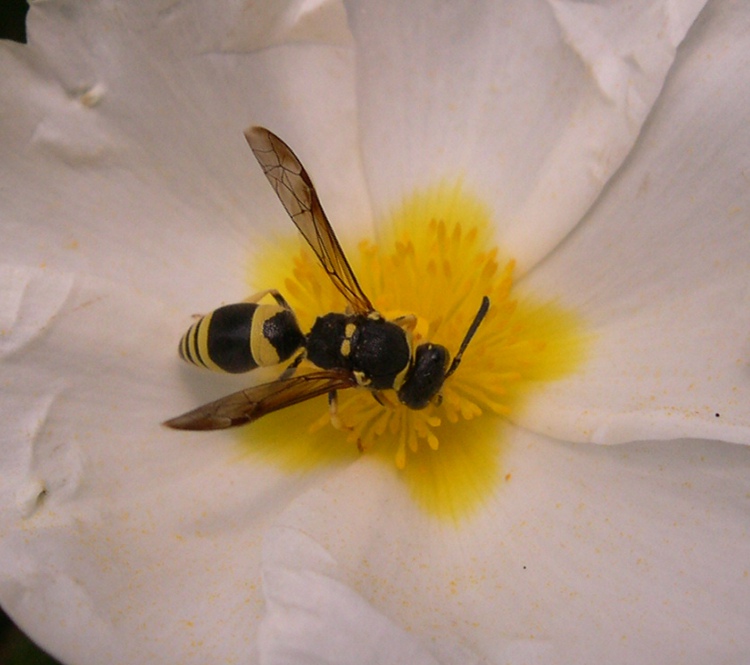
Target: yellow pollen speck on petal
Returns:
[433, 263]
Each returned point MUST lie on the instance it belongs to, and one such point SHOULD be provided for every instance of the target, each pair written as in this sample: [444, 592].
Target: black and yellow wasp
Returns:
[359, 348]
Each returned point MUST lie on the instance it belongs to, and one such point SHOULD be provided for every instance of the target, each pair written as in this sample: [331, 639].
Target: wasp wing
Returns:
[297, 193]
[250, 404]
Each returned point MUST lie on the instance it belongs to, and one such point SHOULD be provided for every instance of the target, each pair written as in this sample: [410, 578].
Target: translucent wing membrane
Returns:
[297, 193]
[250, 404]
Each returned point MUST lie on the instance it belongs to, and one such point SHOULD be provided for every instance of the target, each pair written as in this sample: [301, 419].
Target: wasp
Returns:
[357, 348]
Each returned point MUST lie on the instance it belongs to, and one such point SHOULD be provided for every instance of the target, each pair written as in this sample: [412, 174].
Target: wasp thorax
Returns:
[324, 342]
[375, 350]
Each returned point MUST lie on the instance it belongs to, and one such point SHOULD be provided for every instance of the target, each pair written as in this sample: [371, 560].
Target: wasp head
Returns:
[425, 378]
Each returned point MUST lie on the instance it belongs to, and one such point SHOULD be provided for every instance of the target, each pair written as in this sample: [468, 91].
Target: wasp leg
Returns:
[333, 405]
[257, 297]
[408, 322]
[381, 398]
[291, 367]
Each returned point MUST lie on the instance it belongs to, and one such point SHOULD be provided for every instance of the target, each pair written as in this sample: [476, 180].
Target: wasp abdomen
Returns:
[240, 337]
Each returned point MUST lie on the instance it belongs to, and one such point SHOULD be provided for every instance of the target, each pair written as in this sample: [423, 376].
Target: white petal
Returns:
[120, 540]
[585, 554]
[120, 138]
[660, 268]
[253, 25]
[122, 158]
[534, 105]
[314, 617]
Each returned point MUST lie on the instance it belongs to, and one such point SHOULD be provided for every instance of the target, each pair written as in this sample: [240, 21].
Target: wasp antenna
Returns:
[469, 334]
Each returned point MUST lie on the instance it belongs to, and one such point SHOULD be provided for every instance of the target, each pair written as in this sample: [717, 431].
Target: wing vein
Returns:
[297, 194]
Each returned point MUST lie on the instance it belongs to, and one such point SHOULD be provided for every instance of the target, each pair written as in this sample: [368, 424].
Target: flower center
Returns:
[435, 262]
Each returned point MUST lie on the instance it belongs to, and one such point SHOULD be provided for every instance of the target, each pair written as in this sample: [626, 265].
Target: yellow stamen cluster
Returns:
[435, 261]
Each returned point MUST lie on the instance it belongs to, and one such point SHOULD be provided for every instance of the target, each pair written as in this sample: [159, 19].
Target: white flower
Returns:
[611, 144]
